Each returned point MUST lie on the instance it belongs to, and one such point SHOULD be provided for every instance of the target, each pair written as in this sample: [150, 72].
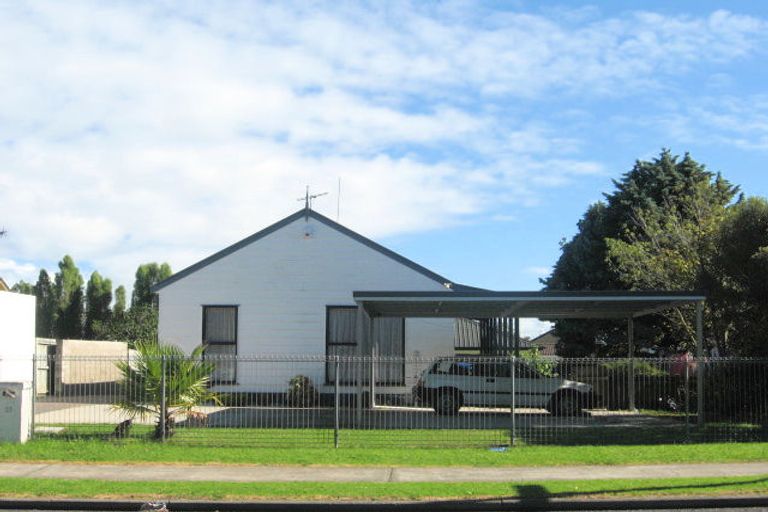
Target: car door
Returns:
[500, 383]
[530, 390]
[489, 386]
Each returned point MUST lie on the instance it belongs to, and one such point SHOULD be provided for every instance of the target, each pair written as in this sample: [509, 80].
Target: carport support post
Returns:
[700, 363]
[517, 337]
[631, 355]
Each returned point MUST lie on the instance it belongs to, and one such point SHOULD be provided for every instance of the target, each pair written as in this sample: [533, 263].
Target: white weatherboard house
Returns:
[288, 290]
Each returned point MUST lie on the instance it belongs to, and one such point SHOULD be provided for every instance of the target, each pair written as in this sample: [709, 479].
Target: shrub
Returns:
[301, 392]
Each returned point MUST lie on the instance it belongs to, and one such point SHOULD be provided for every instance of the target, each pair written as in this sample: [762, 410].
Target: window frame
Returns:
[328, 381]
[400, 382]
[236, 307]
[328, 309]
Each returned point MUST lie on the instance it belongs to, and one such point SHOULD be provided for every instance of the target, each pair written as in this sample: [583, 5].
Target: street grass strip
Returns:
[136, 451]
[96, 489]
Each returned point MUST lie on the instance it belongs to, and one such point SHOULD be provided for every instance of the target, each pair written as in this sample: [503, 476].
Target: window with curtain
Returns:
[341, 340]
[389, 337]
[220, 339]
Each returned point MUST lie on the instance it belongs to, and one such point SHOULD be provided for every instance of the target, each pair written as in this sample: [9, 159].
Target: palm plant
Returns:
[163, 380]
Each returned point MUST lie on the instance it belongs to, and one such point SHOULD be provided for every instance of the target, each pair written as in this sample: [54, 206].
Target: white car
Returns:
[451, 383]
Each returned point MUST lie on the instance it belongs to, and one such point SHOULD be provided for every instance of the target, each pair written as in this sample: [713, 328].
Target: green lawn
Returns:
[50, 488]
[175, 451]
[674, 433]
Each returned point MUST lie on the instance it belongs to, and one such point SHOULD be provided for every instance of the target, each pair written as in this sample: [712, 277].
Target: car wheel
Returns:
[448, 402]
[565, 404]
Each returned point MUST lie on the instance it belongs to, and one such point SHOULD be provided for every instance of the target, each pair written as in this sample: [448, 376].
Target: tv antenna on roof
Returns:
[308, 200]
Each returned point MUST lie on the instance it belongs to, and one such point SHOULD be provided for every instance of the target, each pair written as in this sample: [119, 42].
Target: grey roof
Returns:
[546, 305]
[320, 218]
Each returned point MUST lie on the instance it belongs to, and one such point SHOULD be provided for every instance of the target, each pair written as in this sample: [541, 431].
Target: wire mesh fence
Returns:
[314, 401]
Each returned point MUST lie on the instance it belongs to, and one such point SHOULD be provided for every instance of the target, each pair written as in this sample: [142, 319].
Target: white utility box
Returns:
[15, 411]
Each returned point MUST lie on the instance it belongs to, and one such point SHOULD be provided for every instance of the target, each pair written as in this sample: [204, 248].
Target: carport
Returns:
[506, 308]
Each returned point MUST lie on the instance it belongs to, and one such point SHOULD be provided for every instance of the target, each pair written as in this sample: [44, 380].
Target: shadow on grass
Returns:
[537, 497]
[537, 492]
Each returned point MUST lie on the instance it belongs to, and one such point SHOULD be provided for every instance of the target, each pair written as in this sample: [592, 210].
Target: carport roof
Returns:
[546, 305]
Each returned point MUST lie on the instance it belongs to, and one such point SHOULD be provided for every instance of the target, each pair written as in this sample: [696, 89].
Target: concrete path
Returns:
[224, 473]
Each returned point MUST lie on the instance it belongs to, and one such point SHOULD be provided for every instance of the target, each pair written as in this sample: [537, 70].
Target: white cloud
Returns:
[13, 271]
[539, 271]
[740, 122]
[133, 132]
[533, 327]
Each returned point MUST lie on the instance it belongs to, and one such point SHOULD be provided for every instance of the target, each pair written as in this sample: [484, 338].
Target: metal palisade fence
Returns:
[314, 401]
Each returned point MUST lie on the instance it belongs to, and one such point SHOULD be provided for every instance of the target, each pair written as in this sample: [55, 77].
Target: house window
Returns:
[389, 334]
[220, 339]
[341, 340]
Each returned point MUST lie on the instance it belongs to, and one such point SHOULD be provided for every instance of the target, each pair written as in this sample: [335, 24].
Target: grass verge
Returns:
[96, 489]
[144, 451]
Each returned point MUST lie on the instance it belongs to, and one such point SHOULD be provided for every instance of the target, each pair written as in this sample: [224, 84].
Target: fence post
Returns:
[631, 353]
[336, 402]
[372, 387]
[163, 403]
[700, 364]
[512, 430]
[34, 393]
[687, 403]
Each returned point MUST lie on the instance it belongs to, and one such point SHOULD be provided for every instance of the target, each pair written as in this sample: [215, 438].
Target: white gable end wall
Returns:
[282, 284]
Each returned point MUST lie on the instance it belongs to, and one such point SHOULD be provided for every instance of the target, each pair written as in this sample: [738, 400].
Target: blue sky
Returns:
[468, 136]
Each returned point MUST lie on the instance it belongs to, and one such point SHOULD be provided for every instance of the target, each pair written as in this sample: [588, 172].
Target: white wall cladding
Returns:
[17, 336]
[282, 284]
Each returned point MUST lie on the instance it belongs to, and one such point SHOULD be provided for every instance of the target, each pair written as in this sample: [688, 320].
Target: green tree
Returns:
[135, 326]
[46, 306]
[738, 282]
[68, 290]
[163, 373]
[23, 287]
[118, 309]
[604, 255]
[147, 275]
[672, 248]
[98, 296]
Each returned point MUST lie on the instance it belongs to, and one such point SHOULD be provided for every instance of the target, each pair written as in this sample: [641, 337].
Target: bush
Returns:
[611, 383]
[542, 365]
[736, 391]
[301, 392]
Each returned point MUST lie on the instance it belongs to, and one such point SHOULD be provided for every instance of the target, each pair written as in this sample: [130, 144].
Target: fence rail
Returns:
[375, 401]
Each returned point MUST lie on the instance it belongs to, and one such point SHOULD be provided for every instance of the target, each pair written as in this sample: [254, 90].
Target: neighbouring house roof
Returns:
[545, 336]
[4, 286]
[328, 222]
[546, 342]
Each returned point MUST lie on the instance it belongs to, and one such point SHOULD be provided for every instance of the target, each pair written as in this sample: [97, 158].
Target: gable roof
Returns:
[320, 218]
[550, 333]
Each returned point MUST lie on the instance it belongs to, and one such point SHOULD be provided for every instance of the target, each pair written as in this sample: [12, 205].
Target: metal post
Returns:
[358, 366]
[513, 429]
[700, 370]
[336, 403]
[163, 402]
[687, 403]
[372, 387]
[34, 393]
[631, 355]
[517, 337]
